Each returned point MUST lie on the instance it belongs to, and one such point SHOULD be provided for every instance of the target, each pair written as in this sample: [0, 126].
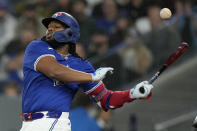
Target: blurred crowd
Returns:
[128, 35]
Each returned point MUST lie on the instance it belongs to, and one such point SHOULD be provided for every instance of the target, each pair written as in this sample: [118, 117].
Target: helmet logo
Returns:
[58, 14]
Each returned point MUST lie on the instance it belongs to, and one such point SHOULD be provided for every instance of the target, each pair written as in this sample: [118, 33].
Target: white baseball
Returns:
[165, 13]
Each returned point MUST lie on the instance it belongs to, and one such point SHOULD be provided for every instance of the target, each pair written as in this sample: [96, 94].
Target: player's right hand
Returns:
[100, 73]
[141, 90]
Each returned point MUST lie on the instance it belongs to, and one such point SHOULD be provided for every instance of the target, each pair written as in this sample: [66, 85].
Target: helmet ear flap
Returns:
[63, 36]
[68, 33]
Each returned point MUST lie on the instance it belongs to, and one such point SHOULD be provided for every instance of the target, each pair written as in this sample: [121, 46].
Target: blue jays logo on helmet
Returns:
[58, 14]
[70, 34]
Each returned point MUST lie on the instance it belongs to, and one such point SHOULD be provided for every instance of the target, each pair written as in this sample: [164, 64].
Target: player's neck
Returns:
[63, 51]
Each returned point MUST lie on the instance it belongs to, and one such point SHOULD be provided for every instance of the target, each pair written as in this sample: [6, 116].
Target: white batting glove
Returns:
[195, 122]
[100, 73]
[141, 90]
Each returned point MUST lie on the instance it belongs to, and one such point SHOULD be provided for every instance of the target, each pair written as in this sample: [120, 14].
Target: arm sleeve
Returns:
[108, 99]
[35, 51]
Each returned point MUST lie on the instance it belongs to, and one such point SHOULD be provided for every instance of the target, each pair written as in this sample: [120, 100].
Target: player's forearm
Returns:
[66, 74]
[49, 66]
[118, 98]
[115, 99]
[108, 99]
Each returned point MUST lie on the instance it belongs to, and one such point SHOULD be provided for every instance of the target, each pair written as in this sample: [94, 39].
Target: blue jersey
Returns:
[42, 93]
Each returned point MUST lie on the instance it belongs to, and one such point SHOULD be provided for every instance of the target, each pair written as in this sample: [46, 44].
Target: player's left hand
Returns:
[141, 90]
[100, 73]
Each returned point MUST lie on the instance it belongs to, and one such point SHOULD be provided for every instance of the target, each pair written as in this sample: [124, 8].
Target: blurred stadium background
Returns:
[125, 34]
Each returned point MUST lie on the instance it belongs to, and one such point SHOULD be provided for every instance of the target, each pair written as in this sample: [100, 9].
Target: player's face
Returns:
[54, 26]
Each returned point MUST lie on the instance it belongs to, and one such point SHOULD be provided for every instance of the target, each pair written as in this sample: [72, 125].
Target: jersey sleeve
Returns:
[89, 86]
[35, 51]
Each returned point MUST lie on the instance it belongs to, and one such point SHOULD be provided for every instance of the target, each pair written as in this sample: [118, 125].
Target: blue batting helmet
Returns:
[70, 34]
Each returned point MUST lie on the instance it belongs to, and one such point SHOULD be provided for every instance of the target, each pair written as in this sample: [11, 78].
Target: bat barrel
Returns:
[177, 53]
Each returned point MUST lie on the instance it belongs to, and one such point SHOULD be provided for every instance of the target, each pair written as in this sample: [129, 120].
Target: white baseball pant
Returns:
[48, 124]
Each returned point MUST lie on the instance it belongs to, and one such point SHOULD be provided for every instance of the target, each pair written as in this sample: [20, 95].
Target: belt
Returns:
[39, 115]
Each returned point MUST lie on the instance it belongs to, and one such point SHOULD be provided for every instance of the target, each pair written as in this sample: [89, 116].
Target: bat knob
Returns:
[141, 89]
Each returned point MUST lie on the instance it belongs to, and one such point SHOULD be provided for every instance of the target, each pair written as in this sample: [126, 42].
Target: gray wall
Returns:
[10, 109]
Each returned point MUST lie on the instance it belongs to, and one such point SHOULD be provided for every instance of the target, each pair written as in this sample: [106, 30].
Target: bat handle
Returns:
[150, 82]
[156, 75]
[153, 78]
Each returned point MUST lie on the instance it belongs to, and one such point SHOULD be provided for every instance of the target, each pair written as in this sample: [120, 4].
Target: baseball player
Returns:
[51, 66]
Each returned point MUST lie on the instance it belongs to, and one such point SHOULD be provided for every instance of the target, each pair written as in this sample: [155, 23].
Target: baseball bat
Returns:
[171, 59]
